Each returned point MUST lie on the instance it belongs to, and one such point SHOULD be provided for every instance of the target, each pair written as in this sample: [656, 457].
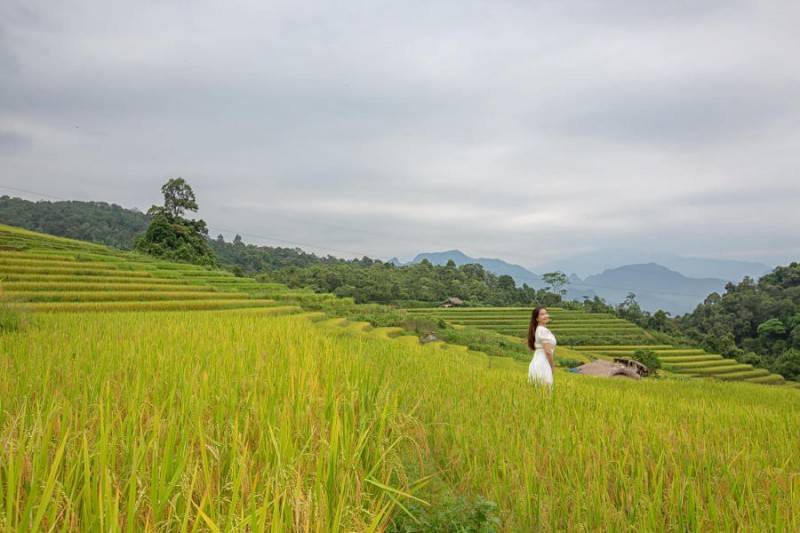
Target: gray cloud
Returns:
[13, 142]
[533, 131]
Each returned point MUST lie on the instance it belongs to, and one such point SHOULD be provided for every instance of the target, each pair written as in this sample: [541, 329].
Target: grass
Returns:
[232, 420]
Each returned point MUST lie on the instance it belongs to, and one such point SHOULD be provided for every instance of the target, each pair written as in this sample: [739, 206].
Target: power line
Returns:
[34, 192]
[215, 229]
[356, 254]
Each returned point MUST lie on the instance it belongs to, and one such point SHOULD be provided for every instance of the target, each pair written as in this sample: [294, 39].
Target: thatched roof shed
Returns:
[452, 302]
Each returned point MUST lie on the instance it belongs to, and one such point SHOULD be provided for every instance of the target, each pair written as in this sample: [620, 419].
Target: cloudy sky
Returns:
[531, 131]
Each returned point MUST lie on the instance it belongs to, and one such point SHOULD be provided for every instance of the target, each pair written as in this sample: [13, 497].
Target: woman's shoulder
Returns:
[543, 330]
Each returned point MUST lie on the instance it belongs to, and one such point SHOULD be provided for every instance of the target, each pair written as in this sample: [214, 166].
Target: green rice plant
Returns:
[706, 370]
[151, 285]
[5, 260]
[744, 374]
[170, 305]
[688, 358]
[118, 295]
[600, 347]
[771, 379]
[700, 364]
[74, 271]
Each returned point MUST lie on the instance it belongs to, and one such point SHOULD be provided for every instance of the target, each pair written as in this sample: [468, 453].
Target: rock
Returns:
[429, 337]
[607, 369]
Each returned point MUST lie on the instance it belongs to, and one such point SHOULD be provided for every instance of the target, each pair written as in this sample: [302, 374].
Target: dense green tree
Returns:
[758, 317]
[170, 235]
[788, 364]
[556, 281]
[178, 198]
[99, 222]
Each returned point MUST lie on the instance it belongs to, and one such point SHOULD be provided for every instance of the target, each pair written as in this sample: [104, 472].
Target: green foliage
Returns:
[556, 281]
[750, 358]
[10, 319]
[566, 362]
[771, 328]
[178, 198]
[760, 317]
[453, 515]
[98, 222]
[648, 358]
[369, 281]
[788, 364]
[172, 237]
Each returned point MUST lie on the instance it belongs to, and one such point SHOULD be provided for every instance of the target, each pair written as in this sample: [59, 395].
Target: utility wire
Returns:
[577, 288]
[215, 228]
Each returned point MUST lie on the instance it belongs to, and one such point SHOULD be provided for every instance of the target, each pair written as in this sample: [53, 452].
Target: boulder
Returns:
[608, 369]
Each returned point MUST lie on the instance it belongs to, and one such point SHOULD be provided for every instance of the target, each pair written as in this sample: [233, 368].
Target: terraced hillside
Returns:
[694, 363]
[573, 328]
[46, 273]
[606, 336]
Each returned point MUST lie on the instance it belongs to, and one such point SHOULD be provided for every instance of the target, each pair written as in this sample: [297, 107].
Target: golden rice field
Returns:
[240, 421]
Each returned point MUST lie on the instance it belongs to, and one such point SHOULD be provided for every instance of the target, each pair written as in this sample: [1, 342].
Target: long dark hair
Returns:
[532, 328]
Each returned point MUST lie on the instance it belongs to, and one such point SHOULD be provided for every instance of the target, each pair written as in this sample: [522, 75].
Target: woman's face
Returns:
[544, 317]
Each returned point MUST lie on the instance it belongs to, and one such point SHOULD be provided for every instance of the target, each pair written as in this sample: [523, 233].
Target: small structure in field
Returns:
[607, 369]
[428, 337]
[452, 302]
[637, 367]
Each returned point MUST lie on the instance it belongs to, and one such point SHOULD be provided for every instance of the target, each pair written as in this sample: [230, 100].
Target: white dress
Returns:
[539, 371]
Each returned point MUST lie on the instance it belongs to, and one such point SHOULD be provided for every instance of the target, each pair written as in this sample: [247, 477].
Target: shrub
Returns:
[567, 362]
[750, 358]
[459, 514]
[648, 358]
[788, 364]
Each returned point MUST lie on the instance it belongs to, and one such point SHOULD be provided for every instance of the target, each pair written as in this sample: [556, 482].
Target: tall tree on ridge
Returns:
[170, 235]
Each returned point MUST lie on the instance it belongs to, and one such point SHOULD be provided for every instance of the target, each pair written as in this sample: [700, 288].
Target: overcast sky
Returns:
[531, 131]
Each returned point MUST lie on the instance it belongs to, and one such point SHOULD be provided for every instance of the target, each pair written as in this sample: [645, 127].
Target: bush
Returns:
[648, 358]
[452, 515]
[750, 358]
[788, 364]
[567, 362]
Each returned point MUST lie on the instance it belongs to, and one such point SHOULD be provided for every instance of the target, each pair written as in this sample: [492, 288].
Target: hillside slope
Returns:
[46, 273]
[606, 336]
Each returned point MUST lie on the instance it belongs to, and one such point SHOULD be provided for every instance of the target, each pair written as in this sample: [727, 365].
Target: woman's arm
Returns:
[548, 350]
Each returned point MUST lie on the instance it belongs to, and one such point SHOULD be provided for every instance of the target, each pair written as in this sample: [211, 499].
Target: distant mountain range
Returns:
[656, 286]
[694, 267]
[497, 266]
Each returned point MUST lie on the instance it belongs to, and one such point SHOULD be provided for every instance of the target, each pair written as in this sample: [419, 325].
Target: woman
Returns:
[543, 344]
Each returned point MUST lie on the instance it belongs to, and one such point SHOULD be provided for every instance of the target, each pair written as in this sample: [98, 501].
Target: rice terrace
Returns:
[142, 395]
